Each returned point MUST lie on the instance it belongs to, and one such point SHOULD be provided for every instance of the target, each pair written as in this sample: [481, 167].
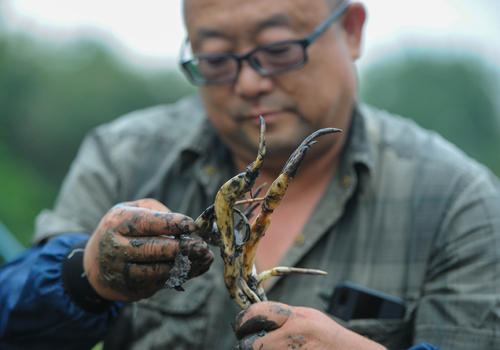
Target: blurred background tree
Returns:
[52, 94]
[455, 94]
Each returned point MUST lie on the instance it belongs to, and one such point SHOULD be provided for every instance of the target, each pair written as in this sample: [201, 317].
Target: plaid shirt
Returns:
[406, 214]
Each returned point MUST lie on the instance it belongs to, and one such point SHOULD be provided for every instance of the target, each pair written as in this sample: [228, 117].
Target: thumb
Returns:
[265, 316]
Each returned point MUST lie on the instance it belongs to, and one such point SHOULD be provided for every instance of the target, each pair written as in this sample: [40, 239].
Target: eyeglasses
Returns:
[269, 59]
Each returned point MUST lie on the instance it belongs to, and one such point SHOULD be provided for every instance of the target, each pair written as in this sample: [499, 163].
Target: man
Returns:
[384, 204]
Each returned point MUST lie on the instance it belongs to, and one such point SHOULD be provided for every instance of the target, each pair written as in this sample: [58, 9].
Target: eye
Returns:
[216, 61]
[277, 50]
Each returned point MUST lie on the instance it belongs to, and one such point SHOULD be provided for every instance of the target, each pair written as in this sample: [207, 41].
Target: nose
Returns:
[251, 84]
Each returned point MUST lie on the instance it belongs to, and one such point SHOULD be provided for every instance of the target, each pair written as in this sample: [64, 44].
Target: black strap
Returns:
[77, 285]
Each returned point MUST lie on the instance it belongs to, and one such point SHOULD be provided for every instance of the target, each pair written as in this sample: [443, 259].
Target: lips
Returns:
[269, 117]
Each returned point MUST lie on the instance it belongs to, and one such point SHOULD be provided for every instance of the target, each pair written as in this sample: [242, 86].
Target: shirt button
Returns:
[299, 239]
[210, 170]
[346, 180]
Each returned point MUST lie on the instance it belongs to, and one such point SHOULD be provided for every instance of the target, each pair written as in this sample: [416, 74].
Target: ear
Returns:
[352, 25]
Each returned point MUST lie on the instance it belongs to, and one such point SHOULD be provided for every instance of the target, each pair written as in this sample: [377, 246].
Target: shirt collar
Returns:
[358, 151]
[203, 149]
[196, 142]
[204, 153]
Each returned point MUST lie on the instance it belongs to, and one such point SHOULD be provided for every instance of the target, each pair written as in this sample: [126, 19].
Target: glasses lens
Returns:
[279, 58]
[213, 69]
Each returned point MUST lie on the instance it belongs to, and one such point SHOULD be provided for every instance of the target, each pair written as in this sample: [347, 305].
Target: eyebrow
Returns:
[278, 20]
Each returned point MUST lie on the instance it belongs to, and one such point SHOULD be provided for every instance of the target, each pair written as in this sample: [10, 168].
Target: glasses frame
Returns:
[305, 42]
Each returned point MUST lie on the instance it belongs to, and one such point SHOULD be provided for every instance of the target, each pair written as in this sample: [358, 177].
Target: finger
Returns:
[262, 317]
[134, 281]
[135, 221]
[144, 250]
[201, 258]
[196, 251]
[125, 269]
[182, 267]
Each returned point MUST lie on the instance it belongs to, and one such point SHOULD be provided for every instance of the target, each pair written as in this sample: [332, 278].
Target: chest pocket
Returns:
[168, 320]
[392, 333]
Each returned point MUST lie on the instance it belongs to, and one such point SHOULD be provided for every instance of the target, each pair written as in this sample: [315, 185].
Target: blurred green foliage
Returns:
[455, 95]
[52, 94]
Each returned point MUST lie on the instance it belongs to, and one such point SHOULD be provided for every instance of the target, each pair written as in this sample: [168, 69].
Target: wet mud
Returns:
[296, 342]
[254, 325]
[114, 273]
[247, 342]
[179, 273]
[277, 309]
[124, 270]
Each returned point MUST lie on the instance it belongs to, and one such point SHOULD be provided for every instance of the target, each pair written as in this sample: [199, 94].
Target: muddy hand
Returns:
[271, 325]
[141, 247]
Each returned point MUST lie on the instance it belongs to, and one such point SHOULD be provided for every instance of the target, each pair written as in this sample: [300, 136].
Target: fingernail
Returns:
[187, 225]
[198, 250]
[200, 245]
[254, 325]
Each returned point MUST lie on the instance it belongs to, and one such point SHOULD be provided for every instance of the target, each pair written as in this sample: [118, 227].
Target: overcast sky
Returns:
[150, 32]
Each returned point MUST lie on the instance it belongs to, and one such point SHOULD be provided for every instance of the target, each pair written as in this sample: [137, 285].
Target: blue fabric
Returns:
[35, 309]
[424, 346]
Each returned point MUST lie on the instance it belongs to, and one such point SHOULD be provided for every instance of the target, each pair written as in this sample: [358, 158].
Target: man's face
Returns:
[295, 104]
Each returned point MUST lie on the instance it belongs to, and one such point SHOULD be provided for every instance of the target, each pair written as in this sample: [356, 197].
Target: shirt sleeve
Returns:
[36, 311]
[89, 190]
